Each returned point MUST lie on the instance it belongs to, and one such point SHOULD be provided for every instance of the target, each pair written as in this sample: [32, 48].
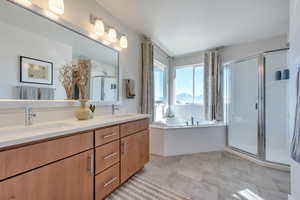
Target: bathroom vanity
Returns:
[66, 164]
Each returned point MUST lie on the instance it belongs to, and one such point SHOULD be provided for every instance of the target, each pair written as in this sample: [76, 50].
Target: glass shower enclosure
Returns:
[257, 106]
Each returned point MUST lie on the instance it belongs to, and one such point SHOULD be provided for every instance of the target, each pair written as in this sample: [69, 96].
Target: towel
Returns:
[28, 93]
[46, 93]
[130, 93]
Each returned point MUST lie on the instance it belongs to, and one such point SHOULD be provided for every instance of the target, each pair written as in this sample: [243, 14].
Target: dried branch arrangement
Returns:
[82, 74]
[71, 75]
[66, 77]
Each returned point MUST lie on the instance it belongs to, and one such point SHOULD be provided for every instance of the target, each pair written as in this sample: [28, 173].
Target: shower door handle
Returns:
[256, 106]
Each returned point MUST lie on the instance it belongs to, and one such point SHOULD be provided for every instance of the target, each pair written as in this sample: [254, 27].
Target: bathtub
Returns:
[173, 138]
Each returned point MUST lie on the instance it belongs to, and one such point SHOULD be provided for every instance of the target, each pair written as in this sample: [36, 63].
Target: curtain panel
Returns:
[213, 86]
[147, 102]
[295, 148]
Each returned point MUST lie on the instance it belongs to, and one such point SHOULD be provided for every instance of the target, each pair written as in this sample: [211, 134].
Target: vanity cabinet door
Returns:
[134, 153]
[71, 178]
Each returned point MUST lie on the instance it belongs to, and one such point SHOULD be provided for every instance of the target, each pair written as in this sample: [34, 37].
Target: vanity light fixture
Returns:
[57, 6]
[112, 35]
[99, 27]
[107, 38]
[123, 42]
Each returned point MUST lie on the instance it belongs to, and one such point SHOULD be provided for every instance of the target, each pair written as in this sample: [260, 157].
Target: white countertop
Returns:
[10, 136]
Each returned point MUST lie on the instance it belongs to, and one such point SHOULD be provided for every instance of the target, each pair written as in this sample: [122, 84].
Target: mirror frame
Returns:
[40, 12]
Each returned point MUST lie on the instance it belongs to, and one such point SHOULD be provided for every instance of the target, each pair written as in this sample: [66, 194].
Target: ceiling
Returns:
[185, 26]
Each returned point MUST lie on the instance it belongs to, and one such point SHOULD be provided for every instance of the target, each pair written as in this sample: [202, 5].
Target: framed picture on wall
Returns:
[36, 71]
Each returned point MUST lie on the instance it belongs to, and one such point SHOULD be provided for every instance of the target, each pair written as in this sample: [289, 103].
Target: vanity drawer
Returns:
[25, 158]
[105, 135]
[133, 127]
[107, 181]
[107, 155]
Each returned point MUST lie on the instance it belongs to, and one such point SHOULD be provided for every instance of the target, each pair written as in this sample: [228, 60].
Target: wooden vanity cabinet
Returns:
[21, 159]
[71, 178]
[134, 153]
[83, 166]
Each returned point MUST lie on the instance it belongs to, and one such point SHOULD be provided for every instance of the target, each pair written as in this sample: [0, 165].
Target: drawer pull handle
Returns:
[110, 182]
[91, 164]
[110, 155]
[109, 135]
[123, 148]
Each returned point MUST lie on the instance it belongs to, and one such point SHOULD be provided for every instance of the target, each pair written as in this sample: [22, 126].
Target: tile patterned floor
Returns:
[218, 176]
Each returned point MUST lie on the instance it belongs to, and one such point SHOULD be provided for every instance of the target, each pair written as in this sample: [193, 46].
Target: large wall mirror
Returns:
[34, 51]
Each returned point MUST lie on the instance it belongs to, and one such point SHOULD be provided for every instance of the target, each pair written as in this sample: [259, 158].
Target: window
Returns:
[160, 90]
[189, 84]
[159, 82]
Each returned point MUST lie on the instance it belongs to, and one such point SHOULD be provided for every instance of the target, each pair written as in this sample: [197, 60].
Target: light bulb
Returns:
[57, 6]
[123, 42]
[112, 35]
[99, 27]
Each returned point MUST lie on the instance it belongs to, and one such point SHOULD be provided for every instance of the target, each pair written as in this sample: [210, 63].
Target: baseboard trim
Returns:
[259, 162]
[290, 197]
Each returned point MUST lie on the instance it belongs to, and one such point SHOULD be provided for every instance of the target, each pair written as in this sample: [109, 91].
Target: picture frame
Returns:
[36, 71]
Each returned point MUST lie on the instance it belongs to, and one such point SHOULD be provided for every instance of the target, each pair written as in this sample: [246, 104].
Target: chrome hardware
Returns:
[192, 120]
[29, 116]
[110, 181]
[114, 108]
[123, 148]
[110, 155]
[109, 135]
[91, 164]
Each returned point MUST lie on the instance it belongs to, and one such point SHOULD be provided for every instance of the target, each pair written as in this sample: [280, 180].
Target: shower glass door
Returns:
[242, 99]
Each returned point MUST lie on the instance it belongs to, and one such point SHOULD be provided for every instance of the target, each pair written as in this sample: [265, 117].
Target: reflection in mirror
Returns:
[34, 52]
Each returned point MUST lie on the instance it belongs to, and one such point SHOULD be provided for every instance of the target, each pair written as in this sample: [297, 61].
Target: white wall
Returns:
[248, 49]
[188, 59]
[294, 63]
[235, 52]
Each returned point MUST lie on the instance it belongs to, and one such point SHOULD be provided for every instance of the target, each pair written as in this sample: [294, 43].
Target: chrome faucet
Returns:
[29, 116]
[192, 120]
[114, 108]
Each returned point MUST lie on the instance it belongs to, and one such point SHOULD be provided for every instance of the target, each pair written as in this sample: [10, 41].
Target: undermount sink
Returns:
[123, 115]
[48, 125]
[34, 128]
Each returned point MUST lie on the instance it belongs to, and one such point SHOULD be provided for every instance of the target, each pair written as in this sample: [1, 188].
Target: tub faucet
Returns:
[29, 116]
[192, 121]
